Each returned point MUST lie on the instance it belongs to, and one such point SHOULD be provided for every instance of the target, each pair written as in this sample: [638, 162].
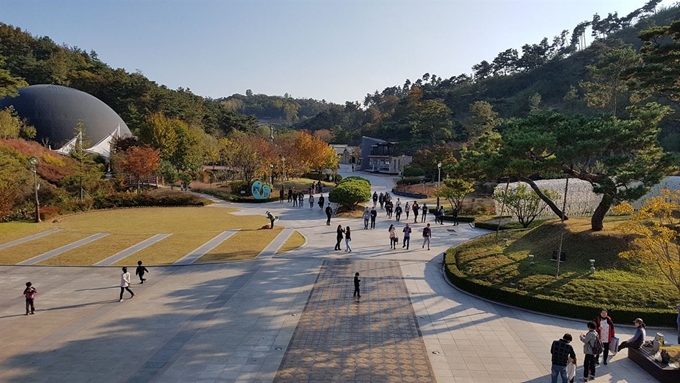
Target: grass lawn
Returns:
[190, 227]
[9, 231]
[618, 282]
[246, 244]
[293, 242]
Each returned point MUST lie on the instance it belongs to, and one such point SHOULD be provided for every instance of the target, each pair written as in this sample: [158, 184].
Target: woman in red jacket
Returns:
[605, 331]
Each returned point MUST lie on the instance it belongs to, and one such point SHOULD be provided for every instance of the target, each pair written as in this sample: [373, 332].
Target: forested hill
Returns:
[27, 59]
[544, 75]
[280, 111]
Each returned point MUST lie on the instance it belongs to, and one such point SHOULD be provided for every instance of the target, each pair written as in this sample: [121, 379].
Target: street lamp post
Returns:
[36, 186]
[283, 179]
[271, 174]
[439, 180]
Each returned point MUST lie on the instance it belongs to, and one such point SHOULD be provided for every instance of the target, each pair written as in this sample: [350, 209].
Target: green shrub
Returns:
[139, 200]
[411, 180]
[546, 304]
[413, 171]
[338, 179]
[355, 178]
[240, 186]
[350, 193]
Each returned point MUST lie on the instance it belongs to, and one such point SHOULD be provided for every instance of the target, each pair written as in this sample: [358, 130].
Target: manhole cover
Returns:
[435, 352]
[278, 348]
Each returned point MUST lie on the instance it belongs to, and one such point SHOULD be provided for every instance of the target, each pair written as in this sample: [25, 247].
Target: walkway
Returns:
[282, 317]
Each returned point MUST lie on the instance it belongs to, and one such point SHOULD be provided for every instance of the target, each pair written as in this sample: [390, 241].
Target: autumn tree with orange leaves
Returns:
[140, 162]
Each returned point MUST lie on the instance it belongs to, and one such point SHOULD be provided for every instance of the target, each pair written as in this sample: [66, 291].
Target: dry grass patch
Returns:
[10, 231]
[293, 242]
[30, 249]
[94, 252]
[169, 250]
[242, 245]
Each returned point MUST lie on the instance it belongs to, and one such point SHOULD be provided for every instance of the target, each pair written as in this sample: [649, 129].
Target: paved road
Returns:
[281, 318]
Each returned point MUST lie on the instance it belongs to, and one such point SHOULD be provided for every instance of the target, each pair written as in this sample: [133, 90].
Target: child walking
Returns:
[125, 284]
[30, 293]
[140, 271]
[357, 281]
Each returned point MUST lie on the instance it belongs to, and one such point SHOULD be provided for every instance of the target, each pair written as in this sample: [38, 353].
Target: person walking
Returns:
[393, 237]
[561, 351]
[407, 236]
[589, 340]
[367, 217]
[311, 201]
[398, 203]
[375, 198]
[605, 331]
[397, 213]
[338, 237]
[407, 209]
[321, 201]
[290, 194]
[295, 199]
[357, 281]
[381, 200]
[455, 216]
[140, 271]
[301, 199]
[678, 323]
[329, 212]
[388, 209]
[374, 214]
[125, 284]
[348, 239]
[442, 212]
[29, 294]
[281, 194]
[416, 209]
[427, 234]
[424, 217]
[638, 339]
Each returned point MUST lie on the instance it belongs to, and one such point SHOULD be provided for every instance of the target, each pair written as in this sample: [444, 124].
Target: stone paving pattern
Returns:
[341, 338]
[233, 322]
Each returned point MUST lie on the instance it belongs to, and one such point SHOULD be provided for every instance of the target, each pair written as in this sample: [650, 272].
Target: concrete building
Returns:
[380, 156]
[346, 154]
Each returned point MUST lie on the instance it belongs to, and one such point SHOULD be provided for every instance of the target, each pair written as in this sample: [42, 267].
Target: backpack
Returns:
[598, 347]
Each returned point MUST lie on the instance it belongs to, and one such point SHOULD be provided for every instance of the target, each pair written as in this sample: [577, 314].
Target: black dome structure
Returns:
[55, 111]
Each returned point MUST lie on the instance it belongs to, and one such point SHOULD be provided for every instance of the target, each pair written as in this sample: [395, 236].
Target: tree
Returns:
[428, 158]
[454, 191]
[571, 98]
[659, 71]
[12, 126]
[431, 121]
[606, 85]
[140, 162]
[656, 239]
[9, 84]
[523, 203]
[482, 70]
[482, 119]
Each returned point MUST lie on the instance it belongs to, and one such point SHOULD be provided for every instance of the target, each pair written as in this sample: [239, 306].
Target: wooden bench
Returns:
[644, 358]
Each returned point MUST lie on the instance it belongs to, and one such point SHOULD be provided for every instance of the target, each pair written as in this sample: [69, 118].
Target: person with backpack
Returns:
[591, 347]
[605, 331]
[397, 212]
[29, 293]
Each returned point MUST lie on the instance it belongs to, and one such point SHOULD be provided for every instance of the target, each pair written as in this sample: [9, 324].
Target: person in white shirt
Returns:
[125, 284]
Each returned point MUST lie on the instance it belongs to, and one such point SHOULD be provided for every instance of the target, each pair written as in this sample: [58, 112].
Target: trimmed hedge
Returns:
[546, 304]
[410, 195]
[145, 200]
[350, 193]
[355, 178]
[234, 198]
[411, 180]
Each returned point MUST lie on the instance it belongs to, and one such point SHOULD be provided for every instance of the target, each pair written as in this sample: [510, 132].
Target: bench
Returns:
[644, 358]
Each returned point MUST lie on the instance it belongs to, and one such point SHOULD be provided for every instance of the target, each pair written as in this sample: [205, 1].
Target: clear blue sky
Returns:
[323, 49]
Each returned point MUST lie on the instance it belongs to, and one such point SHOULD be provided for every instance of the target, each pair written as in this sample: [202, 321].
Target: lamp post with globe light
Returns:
[283, 178]
[33, 161]
[439, 179]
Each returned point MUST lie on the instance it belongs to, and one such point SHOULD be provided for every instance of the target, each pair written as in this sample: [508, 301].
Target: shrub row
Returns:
[546, 304]
[412, 180]
[221, 194]
[139, 200]
[395, 191]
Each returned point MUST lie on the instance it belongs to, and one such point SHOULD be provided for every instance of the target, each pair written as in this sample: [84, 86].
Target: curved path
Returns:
[281, 318]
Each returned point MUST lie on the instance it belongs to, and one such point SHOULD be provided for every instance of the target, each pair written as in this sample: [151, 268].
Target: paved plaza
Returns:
[286, 317]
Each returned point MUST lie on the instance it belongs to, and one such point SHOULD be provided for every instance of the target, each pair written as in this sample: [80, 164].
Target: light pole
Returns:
[283, 179]
[271, 174]
[33, 161]
[439, 179]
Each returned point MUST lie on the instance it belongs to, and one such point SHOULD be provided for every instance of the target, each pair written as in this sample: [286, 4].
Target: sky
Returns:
[337, 50]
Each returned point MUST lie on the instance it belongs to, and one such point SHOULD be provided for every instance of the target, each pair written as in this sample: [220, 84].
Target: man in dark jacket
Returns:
[329, 213]
[561, 351]
[373, 215]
